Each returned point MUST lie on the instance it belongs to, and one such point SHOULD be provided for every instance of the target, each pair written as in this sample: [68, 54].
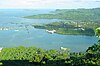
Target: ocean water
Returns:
[21, 33]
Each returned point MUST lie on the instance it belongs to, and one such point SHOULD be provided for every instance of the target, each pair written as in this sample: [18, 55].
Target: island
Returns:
[70, 14]
[70, 28]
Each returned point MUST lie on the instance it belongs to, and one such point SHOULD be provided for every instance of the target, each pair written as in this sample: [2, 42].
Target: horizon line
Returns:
[54, 8]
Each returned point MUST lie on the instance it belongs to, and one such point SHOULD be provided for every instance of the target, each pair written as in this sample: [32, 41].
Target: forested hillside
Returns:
[71, 14]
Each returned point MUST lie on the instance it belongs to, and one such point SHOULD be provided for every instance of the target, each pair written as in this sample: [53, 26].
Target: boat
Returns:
[62, 48]
[51, 31]
[3, 28]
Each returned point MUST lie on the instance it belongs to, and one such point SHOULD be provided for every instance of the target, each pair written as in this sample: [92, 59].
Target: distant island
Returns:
[70, 14]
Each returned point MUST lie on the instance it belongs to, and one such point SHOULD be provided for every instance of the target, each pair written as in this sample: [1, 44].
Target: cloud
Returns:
[48, 3]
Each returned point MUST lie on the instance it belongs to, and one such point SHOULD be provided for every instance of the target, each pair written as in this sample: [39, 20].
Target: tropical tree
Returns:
[98, 32]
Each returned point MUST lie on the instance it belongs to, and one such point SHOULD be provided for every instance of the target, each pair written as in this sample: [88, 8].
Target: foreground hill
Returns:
[30, 56]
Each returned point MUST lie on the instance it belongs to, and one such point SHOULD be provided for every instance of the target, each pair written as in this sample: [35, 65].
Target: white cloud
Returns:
[47, 3]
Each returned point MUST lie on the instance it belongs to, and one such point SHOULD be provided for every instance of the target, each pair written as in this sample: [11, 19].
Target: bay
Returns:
[21, 33]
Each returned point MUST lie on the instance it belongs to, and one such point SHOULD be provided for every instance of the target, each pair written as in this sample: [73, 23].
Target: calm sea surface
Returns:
[21, 33]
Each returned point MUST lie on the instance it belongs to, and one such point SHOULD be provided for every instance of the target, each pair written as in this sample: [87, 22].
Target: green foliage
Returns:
[63, 56]
[31, 56]
[98, 32]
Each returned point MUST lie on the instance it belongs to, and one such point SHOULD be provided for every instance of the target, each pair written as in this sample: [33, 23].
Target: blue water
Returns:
[29, 36]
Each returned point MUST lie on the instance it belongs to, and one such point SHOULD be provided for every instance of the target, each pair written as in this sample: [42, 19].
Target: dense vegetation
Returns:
[71, 14]
[98, 32]
[71, 28]
[31, 56]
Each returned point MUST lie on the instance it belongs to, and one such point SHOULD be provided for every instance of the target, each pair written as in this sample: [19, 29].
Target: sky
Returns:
[49, 4]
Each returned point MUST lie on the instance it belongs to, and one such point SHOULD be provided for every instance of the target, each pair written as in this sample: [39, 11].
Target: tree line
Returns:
[31, 56]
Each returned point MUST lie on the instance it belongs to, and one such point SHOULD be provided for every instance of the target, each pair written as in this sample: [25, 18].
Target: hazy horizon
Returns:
[49, 4]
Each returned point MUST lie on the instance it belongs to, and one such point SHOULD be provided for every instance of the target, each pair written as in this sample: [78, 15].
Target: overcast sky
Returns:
[50, 4]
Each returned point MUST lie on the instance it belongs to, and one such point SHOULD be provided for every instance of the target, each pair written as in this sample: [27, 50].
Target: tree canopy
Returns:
[98, 32]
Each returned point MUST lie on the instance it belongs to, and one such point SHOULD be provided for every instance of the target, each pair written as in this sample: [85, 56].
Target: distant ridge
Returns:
[80, 14]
